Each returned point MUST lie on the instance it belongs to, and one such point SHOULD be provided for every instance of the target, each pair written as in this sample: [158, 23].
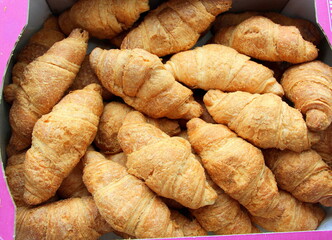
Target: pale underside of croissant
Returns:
[37, 46]
[297, 216]
[85, 77]
[72, 185]
[308, 30]
[141, 79]
[174, 26]
[125, 202]
[15, 177]
[112, 119]
[215, 66]
[103, 19]
[74, 218]
[225, 216]
[305, 175]
[44, 83]
[260, 38]
[165, 163]
[59, 140]
[262, 119]
[235, 166]
[190, 227]
[309, 86]
[324, 145]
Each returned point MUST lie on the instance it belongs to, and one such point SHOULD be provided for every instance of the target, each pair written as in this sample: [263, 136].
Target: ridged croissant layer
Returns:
[125, 202]
[141, 79]
[174, 26]
[74, 218]
[262, 119]
[260, 38]
[59, 140]
[44, 83]
[214, 66]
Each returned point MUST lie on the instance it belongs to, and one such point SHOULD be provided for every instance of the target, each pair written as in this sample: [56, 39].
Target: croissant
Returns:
[59, 140]
[125, 202]
[309, 86]
[264, 120]
[305, 175]
[102, 18]
[120, 158]
[141, 79]
[38, 44]
[174, 26]
[164, 163]
[214, 66]
[324, 146]
[190, 227]
[260, 38]
[297, 216]
[225, 216]
[86, 76]
[15, 177]
[112, 119]
[74, 218]
[72, 185]
[45, 81]
[309, 31]
[241, 173]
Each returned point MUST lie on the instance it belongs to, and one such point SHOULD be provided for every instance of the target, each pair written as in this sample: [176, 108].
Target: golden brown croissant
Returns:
[59, 140]
[309, 86]
[45, 81]
[102, 18]
[297, 216]
[305, 175]
[164, 163]
[74, 218]
[189, 225]
[125, 202]
[38, 44]
[324, 145]
[72, 185]
[260, 38]
[85, 77]
[225, 216]
[308, 30]
[112, 119]
[174, 26]
[15, 177]
[121, 158]
[235, 166]
[264, 120]
[141, 79]
[214, 66]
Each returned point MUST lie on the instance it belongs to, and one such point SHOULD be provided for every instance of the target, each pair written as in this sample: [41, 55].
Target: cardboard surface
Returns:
[13, 17]
[10, 13]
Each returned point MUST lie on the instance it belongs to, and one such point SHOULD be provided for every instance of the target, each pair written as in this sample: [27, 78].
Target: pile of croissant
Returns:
[204, 139]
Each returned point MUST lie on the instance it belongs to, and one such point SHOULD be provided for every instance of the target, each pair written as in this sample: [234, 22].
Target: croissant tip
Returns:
[194, 123]
[79, 33]
[211, 96]
[93, 87]
[94, 57]
[317, 120]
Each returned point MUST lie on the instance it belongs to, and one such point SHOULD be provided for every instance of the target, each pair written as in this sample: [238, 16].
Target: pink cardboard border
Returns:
[324, 17]
[13, 18]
